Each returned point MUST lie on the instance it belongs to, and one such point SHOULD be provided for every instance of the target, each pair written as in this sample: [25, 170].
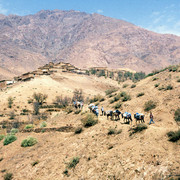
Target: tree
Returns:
[40, 98]
[78, 95]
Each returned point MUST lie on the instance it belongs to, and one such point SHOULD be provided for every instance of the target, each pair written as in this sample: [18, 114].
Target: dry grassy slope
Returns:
[141, 156]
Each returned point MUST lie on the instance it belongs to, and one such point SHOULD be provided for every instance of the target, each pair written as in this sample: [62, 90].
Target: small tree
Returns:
[36, 108]
[40, 98]
[10, 102]
[60, 101]
[78, 95]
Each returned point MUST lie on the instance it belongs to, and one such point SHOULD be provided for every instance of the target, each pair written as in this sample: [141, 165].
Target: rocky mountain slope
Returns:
[84, 40]
[144, 155]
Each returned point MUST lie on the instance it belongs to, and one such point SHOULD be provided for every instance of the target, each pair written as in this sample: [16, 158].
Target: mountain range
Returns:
[84, 40]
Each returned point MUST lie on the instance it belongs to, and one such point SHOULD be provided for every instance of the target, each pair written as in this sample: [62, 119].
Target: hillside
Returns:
[85, 40]
[144, 155]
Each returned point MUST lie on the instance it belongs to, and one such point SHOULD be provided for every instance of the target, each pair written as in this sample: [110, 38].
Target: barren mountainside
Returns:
[85, 40]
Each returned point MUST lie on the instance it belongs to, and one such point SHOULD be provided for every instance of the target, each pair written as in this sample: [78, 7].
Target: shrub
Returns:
[14, 131]
[161, 88]
[77, 111]
[110, 91]
[138, 128]
[40, 98]
[102, 99]
[35, 163]
[126, 98]
[140, 94]
[133, 86]
[125, 85]
[61, 102]
[169, 87]
[78, 95]
[156, 85]
[43, 124]
[149, 105]
[29, 126]
[9, 139]
[12, 115]
[177, 115]
[30, 141]
[178, 80]
[111, 131]
[114, 131]
[8, 176]
[174, 135]
[111, 101]
[173, 68]
[73, 163]
[89, 120]
[117, 105]
[30, 101]
[154, 79]
[1, 137]
[10, 102]
[69, 109]
[78, 130]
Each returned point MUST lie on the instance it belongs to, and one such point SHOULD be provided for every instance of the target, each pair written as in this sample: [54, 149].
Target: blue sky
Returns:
[162, 16]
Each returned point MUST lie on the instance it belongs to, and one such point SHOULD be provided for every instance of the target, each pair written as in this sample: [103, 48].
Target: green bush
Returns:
[177, 115]
[9, 139]
[1, 137]
[126, 98]
[111, 131]
[138, 128]
[8, 176]
[140, 94]
[169, 87]
[89, 120]
[178, 80]
[161, 88]
[111, 101]
[114, 131]
[43, 124]
[156, 85]
[174, 135]
[14, 131]
[78, 130]
[30, 141]
[110, 91]
[35, 163]
[73, 163]
[125, 85]
[117, 105]
[173, 68]
[154, 79]
[29, 126]
[149, 105]
[133, 86]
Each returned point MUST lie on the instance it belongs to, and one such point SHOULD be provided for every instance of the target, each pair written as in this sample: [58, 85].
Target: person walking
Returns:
[151, 118]
[102, 110]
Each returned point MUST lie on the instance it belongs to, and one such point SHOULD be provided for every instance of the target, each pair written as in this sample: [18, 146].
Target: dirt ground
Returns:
[145, 155]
